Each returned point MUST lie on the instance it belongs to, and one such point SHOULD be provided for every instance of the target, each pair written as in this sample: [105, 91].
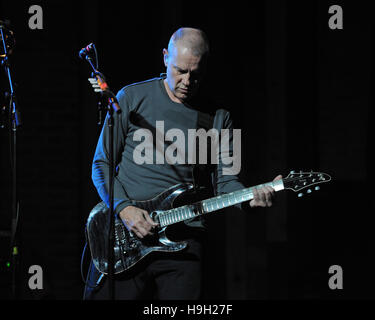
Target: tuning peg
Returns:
[300, 195]
[317, 188]
[309, 191]
[292, 172]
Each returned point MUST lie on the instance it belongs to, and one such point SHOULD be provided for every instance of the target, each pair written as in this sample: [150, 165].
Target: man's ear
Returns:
[165, 56]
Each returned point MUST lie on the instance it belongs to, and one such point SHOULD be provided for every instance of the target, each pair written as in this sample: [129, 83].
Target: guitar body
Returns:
[129, 249]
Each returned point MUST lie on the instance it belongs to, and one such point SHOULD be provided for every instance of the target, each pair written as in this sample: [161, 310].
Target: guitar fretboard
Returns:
[212, 204]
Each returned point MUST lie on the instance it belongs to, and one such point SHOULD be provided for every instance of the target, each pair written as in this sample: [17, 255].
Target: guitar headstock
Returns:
[300, 180]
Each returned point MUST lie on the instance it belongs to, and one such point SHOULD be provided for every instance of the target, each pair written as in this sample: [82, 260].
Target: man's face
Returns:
[184, 73]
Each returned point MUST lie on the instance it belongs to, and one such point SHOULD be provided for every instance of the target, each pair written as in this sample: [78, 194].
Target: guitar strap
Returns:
[204, 174]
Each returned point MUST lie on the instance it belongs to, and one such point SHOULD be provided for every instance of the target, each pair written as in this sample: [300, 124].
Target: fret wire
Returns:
[205, 206]
[169, 217]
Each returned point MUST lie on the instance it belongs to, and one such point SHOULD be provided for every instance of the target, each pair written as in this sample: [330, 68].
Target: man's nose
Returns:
[186, 79]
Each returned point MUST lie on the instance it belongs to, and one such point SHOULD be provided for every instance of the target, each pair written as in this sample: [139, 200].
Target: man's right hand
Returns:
[138, 221]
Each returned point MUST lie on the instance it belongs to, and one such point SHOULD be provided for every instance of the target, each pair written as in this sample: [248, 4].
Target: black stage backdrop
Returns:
[300, 91]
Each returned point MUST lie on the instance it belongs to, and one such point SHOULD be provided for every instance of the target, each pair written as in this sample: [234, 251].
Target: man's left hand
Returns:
[264, 196]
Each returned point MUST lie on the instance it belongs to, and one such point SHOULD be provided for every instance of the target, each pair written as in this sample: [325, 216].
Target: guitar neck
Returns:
[213, 204]
[236, 197]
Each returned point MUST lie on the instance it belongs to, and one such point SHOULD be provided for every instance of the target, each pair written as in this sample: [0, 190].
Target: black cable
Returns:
[96, 57]
[83, 277]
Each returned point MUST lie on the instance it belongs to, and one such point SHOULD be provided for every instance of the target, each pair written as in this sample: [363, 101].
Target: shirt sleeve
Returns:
[229, 160]
[101, 163]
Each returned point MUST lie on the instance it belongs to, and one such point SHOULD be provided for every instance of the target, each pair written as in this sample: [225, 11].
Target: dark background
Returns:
[300, 92]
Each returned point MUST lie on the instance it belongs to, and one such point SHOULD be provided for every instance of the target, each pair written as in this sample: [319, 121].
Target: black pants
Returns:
[164, 276]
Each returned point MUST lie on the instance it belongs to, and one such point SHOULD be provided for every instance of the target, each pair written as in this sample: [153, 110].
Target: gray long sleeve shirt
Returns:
[147, 106]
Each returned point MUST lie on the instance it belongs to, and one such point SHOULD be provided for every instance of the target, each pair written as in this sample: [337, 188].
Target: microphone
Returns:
[86, 51]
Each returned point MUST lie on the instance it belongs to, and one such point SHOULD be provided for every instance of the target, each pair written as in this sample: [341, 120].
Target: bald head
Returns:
[185, 60]
[191, 39]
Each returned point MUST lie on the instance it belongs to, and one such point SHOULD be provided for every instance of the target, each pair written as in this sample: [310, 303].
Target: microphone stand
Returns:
[15, 122]
[111, 106]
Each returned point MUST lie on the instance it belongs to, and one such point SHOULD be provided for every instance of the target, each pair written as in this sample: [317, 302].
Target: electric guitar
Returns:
[163, 209]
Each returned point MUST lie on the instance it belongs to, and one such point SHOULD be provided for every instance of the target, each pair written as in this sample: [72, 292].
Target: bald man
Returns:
[173, 101]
